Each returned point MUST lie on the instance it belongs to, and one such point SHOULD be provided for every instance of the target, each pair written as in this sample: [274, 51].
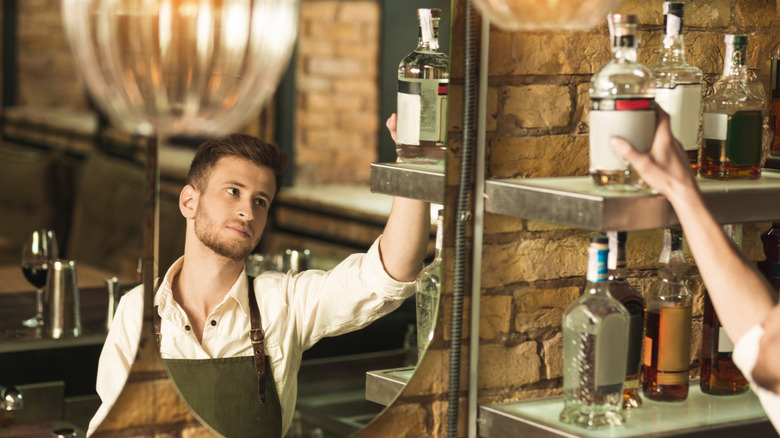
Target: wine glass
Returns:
[39, 250]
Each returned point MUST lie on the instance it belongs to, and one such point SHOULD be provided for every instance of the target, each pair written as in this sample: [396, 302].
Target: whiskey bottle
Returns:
[668, 326]
[621, 105]
[719, 374]
[771, 266]
[423, 81]
[428, 291]
[595, 328]
[632, 300]
[678, 84]
[774, 96]
[732, 124]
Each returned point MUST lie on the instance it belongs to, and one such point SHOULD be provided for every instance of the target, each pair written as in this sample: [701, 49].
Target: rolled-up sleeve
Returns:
[745, 356]
[350, 296]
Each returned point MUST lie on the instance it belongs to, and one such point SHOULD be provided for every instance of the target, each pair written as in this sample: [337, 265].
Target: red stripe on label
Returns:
[442, 89]
[633, 104]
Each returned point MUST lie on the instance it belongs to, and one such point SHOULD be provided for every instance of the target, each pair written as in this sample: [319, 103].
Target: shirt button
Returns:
[186, 327]
[213, 322]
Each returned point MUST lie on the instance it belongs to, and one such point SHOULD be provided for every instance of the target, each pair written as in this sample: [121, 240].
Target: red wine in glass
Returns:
[39, 250]
[36, 274]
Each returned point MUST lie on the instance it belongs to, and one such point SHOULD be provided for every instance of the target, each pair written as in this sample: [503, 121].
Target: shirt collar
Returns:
[238, 292]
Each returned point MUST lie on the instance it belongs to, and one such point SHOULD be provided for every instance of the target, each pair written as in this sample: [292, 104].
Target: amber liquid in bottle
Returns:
[667, 348]
[666, 355]
[719, 374]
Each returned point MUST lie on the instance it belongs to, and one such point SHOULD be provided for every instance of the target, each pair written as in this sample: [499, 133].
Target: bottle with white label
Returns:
[622, 105]
[732, 123]
[678, 84]
[719, 374]
[595, 341]
[423, 84]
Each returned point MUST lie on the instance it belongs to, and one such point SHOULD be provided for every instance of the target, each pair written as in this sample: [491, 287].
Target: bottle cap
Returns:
[674, 8]
[599, 239]
[624, 18]
[738, 41]
[435, 13]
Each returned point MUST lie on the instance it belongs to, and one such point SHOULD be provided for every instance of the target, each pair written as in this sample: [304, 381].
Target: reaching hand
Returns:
[392, 124]
[665, 167]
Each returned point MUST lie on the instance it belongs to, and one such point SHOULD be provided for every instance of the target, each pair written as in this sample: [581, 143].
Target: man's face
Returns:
[233, 207]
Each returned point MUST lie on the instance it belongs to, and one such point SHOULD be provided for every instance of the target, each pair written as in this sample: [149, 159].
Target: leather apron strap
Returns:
[256, 335]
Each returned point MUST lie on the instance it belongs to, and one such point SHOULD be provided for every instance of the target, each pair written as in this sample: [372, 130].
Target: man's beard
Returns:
[208, 233]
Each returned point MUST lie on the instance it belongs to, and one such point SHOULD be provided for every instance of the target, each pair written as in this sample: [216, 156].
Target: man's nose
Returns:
[245, 210]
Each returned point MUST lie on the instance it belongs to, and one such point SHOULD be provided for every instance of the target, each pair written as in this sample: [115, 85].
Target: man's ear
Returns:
[188, 201]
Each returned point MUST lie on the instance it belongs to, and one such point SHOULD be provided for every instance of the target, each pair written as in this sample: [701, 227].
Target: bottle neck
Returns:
[428, 39]
[672, 265]
[672, 49]
[624, 48]
[616, 260]
[597, 264]
[439, 237]
[734, 65]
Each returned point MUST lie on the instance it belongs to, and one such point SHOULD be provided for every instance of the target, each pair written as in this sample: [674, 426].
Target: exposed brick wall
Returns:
[537, 126]
[337, 96]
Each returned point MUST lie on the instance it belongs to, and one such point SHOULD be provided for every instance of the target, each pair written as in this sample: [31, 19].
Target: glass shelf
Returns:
[700, 415]
[425, 183]
[576, 202]
[383, 385]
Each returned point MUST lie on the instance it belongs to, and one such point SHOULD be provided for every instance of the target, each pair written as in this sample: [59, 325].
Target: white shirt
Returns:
[296, 310]
[745, 356]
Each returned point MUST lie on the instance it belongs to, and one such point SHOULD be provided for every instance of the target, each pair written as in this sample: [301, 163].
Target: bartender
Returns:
[745, 303]
[234, 343]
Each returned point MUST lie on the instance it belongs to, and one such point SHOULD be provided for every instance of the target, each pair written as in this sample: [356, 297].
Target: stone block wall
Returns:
[537, 126]
[532, 271]
[337, 92]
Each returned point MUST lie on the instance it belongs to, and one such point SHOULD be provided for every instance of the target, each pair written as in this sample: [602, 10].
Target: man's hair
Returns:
[243, 146]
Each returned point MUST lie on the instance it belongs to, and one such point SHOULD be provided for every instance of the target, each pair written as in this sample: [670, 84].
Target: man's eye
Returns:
[260, 202]
[233, 191]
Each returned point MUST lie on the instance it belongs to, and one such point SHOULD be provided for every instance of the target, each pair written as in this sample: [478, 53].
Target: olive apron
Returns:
[234, 395]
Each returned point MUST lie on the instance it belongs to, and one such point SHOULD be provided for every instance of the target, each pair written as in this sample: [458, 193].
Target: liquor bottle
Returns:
[632, 300]
[771, 266]
[423, 82]
[621, 105]
[732, 124]
[428, 291]
[678, 84]
[595, 328]
[668, 326]
[774, 96]
[719, 374]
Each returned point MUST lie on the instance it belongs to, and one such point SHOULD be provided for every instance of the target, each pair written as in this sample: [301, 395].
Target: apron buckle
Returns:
[256, 335]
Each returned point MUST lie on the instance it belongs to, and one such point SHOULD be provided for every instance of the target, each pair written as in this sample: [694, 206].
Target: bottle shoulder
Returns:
[595, 302]
[622, 79]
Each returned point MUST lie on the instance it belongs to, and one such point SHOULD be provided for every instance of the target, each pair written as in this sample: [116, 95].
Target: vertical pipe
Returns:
[462, 217]
[151, 224]
[479, 217]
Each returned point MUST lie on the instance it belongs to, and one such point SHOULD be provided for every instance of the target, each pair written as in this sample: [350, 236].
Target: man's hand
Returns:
[665, 167]
[392, 126]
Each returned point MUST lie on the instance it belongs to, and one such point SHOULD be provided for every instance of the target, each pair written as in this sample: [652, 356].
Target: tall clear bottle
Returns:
[719, 373]
[678, 84]
[667, 348]
[595, 328]
[428, 292]
[732, 123]
[423, 84]
[621, 104]
[634, 303]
